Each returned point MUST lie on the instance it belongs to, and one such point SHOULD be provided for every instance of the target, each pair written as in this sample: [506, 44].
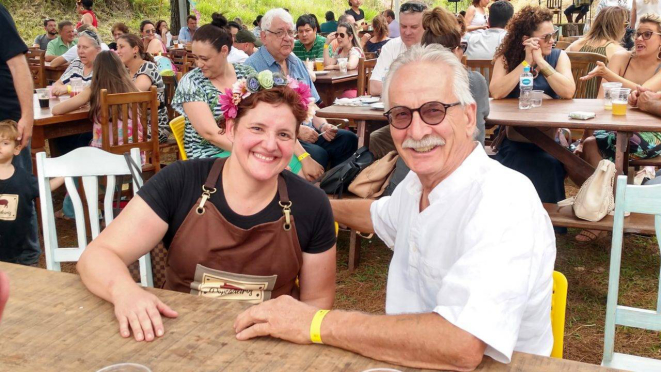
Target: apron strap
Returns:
[214, 174]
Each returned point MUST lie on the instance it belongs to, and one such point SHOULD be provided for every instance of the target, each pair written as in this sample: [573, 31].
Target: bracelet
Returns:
[315, 327]
[303, 156]
[325, 46]
[547, 71]
[69, 89]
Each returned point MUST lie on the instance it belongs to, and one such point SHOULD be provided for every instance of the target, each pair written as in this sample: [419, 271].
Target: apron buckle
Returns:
[206, 194]
[286, 210]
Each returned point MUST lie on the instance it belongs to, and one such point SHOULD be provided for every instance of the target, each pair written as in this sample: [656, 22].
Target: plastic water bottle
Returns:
[525, 87]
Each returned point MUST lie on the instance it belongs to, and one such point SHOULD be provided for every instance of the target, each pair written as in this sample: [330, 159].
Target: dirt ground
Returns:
[584, 264]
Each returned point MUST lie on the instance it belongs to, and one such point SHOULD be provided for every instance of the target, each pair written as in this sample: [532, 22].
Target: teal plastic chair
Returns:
[636, 199]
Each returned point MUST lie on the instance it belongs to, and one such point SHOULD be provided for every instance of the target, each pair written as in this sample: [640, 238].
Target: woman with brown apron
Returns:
[240, 228]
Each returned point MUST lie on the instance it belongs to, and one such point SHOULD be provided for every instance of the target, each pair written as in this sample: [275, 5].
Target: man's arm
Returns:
[354, 213]
[650, 102]
[376, 87]
[20, 72]
[417, 340]
[58, 61]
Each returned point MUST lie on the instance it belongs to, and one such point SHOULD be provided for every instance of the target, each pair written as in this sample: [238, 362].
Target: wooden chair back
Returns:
[581, 64]
[90, 164]
[555, 6]
[483, 66]
[370, 55]
[180, 59]
[170, 88]
[562, 44]
[36, 61]
[630, 199]
[190, 61]
[140, 111]
[365, 68]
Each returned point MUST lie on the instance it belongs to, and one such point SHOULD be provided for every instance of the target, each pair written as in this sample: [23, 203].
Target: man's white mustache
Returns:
[426, 141]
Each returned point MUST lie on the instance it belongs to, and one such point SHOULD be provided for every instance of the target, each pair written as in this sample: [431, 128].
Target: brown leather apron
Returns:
[209, 256]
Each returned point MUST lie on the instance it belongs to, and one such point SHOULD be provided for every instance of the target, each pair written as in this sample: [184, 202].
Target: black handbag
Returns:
[337, 180]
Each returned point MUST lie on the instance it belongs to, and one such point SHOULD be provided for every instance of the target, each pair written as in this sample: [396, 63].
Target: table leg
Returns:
[582, 168]
[361, 132]
[621, 152]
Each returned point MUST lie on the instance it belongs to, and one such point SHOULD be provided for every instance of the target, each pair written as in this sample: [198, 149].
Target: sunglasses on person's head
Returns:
[646, 34]
[432, 113]
[412, 7]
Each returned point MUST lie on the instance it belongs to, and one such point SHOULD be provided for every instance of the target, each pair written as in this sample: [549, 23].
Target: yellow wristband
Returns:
[325, 46]
[303, 156]
[69, 88]
[315, 327]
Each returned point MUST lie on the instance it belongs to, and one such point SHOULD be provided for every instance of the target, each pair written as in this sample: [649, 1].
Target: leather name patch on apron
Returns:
[252, 289]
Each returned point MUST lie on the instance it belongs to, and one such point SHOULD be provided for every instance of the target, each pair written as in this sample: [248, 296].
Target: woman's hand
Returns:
[599, 70]
[531, 45]
[311, 169]
[59, 90]
[329, 39]
[142, 311]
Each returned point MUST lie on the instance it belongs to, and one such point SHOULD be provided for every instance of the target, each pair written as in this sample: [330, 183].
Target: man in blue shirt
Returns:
[325, 143]
[186, 33]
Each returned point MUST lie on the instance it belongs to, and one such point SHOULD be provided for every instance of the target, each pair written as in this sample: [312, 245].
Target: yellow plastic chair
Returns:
[558, 308]
[177, 125]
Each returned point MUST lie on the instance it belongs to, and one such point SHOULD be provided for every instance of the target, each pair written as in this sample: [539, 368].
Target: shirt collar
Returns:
[268, 58]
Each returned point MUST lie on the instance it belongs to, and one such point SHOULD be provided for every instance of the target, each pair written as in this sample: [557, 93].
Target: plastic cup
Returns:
[607, 97]
[342, 62]
[319, 64]
[536, 98]
[44, 97]
[125, 367]
[619, 98]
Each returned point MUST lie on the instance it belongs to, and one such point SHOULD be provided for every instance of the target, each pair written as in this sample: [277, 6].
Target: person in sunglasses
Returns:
[530, 38]
[153, 45]
[471, 273]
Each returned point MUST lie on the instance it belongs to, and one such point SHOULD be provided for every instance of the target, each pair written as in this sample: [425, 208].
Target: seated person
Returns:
[72, 53]
[326, 144]
[530, 38]
[379, 37]
[582, 7]
[472, 270]
[42, 40]
[187, 32]
[153, 44]
[237, 220]
[309, 45]
[330, 25]
[646, 100]
[62, 43]
[482, 44]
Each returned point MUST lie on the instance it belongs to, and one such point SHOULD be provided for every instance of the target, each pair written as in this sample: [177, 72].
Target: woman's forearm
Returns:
[501, 87]
[104, 280]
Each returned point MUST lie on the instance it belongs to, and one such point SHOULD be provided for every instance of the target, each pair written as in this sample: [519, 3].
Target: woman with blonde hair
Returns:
[373, 43]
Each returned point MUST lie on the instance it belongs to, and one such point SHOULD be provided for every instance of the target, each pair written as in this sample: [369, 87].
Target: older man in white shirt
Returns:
[473, 247]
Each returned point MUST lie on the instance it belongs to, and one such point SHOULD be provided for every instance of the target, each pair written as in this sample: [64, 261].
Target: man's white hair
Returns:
[437, 55]
[272, 14]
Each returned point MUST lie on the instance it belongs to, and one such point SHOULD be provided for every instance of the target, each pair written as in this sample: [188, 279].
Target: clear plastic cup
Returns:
[536, 98]
[76, 86]
[619, 98]
[342, 62]
[43, 95]
[125, 367]
[319, 64]
[607, 96]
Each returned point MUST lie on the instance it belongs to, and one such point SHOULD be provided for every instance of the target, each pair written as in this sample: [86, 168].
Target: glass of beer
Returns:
[607, 97]
[319, 64]
[619, 98]
[44, 97]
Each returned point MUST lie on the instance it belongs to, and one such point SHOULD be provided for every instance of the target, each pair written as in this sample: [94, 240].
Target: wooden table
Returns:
[52, 323]
[366, 119]
[47, 125]
[554, 113]
[333, 83]
[53, 73]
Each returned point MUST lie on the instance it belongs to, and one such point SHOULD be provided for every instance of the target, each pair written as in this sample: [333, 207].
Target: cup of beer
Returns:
[607, 97]
[619, 98]
[43, 94]
[319, 64]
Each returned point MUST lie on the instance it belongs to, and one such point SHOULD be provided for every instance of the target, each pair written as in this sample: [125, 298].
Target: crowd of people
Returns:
[247, 204]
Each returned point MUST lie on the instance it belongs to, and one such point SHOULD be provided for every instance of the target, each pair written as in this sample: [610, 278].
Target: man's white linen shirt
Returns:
[481, 255]
[482, 44]
[389, 53]
[237, 55]
[72, 53]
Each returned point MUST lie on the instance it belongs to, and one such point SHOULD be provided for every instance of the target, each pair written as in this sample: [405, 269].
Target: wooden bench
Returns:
[564, 217]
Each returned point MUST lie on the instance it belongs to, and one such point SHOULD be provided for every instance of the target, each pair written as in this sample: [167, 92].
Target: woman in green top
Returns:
[603, 38]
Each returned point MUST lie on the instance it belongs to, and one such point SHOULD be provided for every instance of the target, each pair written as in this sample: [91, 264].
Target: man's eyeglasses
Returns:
[412, 7]
[432, 113]
[281, 34]
[646, 34]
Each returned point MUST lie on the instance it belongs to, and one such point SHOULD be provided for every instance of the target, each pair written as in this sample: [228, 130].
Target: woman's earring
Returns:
[135, 56]
[658, 55]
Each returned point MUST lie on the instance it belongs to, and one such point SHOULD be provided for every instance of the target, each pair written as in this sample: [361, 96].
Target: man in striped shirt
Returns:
[309, 45]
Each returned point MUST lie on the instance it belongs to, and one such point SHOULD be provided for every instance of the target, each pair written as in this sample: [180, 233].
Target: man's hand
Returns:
[25, 130]
[307, 134]
[646, 99]
[329, 131]
[283, 317]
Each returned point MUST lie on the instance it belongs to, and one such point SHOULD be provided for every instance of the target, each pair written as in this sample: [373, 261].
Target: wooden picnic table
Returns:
[48, 126]
[53, 323]
[555, 114]
[54, 73]
[365, 118]
[333, 83]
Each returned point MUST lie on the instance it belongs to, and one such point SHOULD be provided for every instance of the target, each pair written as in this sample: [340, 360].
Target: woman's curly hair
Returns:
[524, 23]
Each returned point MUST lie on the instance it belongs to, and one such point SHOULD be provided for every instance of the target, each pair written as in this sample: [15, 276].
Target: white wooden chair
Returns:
[89, 163]
[635, 199]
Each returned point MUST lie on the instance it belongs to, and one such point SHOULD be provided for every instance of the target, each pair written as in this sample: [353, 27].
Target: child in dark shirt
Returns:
[18, 189]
